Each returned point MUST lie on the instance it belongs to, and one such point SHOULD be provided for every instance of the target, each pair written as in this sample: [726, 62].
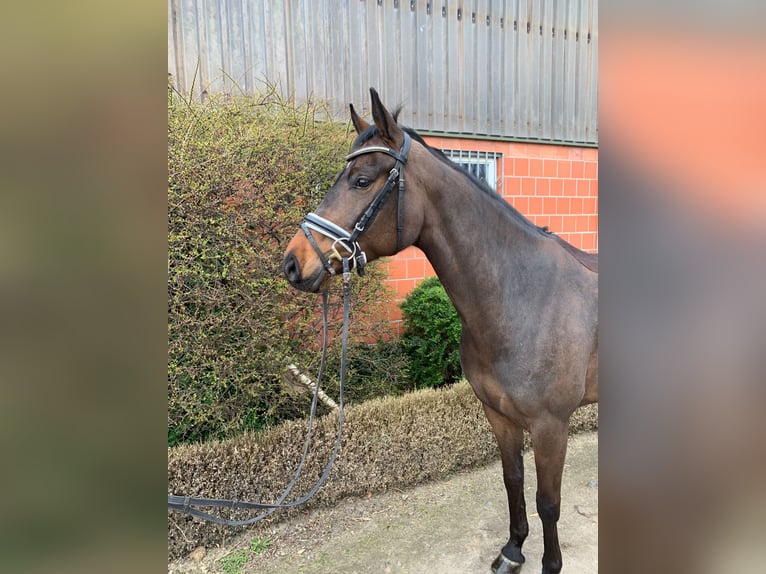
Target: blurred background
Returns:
[682, 316]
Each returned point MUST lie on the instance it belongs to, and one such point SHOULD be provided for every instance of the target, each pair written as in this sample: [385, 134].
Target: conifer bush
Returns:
[431, 338]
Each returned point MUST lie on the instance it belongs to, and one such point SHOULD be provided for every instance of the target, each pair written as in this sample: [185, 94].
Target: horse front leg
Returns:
[510, 439]
[549, 439]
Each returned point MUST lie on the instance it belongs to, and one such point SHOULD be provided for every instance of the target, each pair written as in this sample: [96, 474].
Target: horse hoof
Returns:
[503, 565]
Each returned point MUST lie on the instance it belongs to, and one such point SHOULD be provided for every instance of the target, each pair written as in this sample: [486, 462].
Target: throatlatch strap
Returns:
[400, 214]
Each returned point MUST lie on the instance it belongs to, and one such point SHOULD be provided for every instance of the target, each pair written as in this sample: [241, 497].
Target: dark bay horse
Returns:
[527, 299]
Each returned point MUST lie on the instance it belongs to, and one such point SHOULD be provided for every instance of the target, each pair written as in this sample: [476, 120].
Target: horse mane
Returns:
[589, 260]
[479, 184]
[372, 131]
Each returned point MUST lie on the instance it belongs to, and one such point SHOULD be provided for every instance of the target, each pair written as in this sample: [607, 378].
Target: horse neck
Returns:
[472, 240]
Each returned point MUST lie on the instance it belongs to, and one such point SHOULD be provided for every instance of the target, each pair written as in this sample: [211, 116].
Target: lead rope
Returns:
[186, 504]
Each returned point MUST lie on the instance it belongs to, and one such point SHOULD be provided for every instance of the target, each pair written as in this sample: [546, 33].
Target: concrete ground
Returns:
[455, 526]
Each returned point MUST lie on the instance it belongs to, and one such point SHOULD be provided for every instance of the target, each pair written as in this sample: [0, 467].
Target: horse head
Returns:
[366, 214]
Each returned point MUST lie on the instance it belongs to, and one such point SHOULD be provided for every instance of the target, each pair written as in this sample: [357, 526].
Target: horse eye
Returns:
[362, 183]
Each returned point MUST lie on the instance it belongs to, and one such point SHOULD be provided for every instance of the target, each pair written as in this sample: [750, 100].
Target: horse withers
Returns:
[527, 300]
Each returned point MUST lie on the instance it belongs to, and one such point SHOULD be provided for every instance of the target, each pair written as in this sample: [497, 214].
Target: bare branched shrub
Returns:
[241, 174]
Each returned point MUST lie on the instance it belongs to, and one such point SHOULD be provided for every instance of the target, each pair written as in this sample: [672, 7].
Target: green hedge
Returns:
[431, 338]
[241, 174]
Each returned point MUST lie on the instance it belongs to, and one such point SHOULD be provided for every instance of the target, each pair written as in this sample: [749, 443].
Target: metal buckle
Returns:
[346, 273]
[334, 254]
[360, 261]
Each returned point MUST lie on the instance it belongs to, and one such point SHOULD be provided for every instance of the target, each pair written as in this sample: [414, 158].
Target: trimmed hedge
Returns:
[387, 443]
[242, 172]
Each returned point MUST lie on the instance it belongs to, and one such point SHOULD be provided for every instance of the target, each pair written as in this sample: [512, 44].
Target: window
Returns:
[481, 164]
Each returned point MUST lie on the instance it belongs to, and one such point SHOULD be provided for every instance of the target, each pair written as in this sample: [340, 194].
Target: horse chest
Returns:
[523, 377]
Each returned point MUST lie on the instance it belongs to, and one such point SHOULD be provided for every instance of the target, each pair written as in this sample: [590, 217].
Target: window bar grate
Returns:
[485, 165]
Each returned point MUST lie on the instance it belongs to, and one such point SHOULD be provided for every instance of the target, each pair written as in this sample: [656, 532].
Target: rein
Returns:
[349, 240]
[189, 504]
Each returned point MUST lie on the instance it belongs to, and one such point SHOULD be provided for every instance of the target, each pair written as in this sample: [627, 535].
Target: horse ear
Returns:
[359, 124]
[387, 126]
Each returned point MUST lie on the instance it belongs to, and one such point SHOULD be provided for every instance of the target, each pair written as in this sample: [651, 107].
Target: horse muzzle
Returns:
[307, 268]
[312, 283]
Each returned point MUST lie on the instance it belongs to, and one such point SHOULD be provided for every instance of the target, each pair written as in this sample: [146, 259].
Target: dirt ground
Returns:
[455, 526]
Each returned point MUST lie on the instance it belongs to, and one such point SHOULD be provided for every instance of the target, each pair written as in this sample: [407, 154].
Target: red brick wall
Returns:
[552, 185]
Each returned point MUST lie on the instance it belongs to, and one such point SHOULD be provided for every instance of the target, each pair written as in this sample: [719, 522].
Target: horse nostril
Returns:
[291, 268]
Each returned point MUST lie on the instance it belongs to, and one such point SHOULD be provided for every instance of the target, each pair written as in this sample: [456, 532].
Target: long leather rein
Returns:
[190, 504]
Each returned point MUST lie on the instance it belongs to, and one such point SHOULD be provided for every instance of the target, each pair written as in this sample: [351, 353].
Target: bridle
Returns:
[349, 240]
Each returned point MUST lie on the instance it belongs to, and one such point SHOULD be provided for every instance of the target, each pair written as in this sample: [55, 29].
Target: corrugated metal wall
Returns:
[502, 68]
